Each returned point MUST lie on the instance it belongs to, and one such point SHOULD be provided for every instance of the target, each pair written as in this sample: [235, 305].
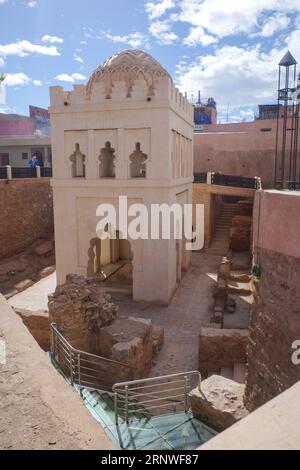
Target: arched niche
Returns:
[77, 163]
[107, 162]
[138, 162]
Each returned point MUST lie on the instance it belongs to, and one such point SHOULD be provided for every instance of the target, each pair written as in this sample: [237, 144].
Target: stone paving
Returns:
[190, 308]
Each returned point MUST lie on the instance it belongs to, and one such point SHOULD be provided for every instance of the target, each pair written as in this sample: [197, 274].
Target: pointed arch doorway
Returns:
[110, 261]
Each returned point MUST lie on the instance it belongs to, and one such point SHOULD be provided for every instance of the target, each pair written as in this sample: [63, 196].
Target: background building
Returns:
[21, 137]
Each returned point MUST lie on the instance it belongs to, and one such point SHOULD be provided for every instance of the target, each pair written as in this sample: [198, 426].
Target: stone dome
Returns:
[128, 66]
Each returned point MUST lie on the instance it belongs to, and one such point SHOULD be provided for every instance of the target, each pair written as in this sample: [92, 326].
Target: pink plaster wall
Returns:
[240, 149]
[278, 222]
[16, 125]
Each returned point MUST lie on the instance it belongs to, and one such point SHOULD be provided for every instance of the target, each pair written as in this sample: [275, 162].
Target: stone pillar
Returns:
[8, 172]
[38, 171]
[209, 177]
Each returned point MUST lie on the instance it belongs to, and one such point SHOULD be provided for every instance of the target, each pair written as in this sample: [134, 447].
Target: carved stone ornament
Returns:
[128, 66]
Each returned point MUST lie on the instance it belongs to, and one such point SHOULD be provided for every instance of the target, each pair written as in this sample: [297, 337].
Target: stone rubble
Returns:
[219, 402]
[88, 319]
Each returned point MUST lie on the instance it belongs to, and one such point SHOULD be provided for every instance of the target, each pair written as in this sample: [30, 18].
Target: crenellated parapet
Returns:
[131, 77]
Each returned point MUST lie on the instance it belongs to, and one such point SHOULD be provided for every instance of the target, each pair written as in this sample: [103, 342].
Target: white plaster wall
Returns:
[123, 122]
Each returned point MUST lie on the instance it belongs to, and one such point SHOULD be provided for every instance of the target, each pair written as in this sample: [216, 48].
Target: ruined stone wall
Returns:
[26, 214]
[275, 325]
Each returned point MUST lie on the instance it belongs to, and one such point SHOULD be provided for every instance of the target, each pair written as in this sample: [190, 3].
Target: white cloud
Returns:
[20, 79]
[2, 62]
[64, 77]
[77, 58]
[16, 79]
[3, 1]
[52, 39]
[133, 39]
[161, 30]
[198, 36]
[273, 24]
[235, 75]
[25, 48]
[156, 10]
[222, 19]
[32, 4]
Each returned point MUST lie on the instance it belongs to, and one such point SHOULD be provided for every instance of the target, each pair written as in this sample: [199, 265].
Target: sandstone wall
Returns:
[26, 214]
[275, 320]
[221, 348]
[274, 326]
[247, 152]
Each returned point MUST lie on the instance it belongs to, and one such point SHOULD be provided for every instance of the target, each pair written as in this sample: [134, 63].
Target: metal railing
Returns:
[154, 396]
[8, 172]
[85, 369]
[23, 172]
[3, 172]
[227, 180]
[46, 172]
[235, 181]
[288, 185]
[200, 177]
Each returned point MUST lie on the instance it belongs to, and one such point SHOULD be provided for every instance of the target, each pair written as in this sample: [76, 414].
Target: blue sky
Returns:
[227, 49]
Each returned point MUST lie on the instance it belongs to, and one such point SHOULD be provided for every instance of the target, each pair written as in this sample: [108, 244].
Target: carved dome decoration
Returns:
[128, 66]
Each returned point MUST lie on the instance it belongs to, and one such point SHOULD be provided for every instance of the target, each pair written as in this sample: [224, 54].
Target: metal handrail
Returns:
[86, 369]
[142, 395]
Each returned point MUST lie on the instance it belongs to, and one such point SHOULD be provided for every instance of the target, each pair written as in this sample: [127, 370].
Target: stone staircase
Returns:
[220, 241]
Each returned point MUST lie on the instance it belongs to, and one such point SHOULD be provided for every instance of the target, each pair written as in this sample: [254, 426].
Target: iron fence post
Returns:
[126, 404]
[185, 395]
[71, 367]
[78, 366]
[116, 408]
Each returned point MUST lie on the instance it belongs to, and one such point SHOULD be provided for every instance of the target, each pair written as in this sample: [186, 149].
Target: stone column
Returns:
[8, 172]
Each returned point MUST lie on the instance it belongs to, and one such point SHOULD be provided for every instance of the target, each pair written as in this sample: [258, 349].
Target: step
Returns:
[227, 372]
[239, 288]
[216, 242]
[239, 372]
[223, 234]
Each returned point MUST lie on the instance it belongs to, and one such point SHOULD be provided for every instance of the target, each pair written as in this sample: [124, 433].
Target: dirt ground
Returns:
[18, 272]
[38, 409]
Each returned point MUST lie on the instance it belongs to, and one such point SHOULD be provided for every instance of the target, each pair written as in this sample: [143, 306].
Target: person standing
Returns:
[33, 162]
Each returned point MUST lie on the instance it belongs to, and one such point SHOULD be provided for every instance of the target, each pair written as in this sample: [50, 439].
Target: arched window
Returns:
[107, 162]
[78, 163]
[138, 162]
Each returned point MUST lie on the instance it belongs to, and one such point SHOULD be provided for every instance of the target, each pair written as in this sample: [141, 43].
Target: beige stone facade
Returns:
[128, 132]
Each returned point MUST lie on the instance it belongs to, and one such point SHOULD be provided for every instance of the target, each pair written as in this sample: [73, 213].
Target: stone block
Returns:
[128, 340]
[80, 308]
[47, 271]
[24, 285]
[240, 233]
[224, 269]
[219, 402]
[245, 207]
[158, 334]
[44, 248]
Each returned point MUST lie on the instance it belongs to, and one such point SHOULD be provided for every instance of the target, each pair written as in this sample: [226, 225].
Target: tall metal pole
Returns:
[277, 126]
